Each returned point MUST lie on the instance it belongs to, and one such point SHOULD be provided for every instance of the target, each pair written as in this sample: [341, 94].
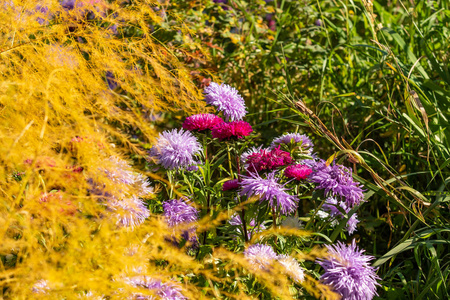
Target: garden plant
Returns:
[224, 149]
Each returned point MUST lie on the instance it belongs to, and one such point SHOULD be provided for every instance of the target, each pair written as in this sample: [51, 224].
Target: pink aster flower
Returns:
[226, 131]
[299, 172]
[201, 122]
[268, 160]
[230, 185]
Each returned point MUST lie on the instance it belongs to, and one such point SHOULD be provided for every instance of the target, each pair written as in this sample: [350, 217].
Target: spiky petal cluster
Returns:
[176, 149]
[298, 171]
[226, 99]
[230, 185]
[268, 160]
[348, 271]
[166, 291]
[178, 211]
[338, 180]
[331, 207]
[226, 131]
[269, 190]
[260, 256]
[129, 211]
[302, 141]
[201, 122]
[292, 268]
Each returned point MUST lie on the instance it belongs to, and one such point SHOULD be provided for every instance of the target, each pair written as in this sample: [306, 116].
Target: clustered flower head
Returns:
[230, 185]
[298, 171]
[331, 207]
[300, 140]
[178, 211]
[201, 122]
[269, 190]
[227, 100]
[236, 129]
[166, 291]
[176, 149]
[348, 271]
[338, 180]
[129, 211]
[268, 160]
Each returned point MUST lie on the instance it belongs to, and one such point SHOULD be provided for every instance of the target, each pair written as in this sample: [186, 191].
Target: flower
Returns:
[246, 154]
[268, 160]
[129, 211]
[41, 287]
[348, 271]
[303, 141]
[226, 99]
[230, 185]
[176, 149]
[226, 131]
[292, 268]
[179, 212]
[298, 171]
[260, 256]
[270, 190]
[201, 122]
[331, 206]
[338, 180]
[166, 291]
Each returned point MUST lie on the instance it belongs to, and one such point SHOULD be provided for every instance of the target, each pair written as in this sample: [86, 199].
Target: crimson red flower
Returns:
[298, 171]
[230, 185]
[226, 131]
[268, 160]
[201, 122]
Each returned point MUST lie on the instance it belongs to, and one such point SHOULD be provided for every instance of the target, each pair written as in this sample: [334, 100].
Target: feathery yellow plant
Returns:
[72, 91]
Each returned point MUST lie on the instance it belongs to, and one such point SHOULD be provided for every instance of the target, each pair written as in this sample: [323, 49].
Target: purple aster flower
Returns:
[301, 140]
[226, 99]
[338, 180]
[176, 149]
[168, 291]
[201, 122]
[348, 271]
[230, 185]
[269, 190]
[331, 207]
[129, 211]
[177, 212]
[292, 268]
[236, 129]
[299, 172]
[261, 256]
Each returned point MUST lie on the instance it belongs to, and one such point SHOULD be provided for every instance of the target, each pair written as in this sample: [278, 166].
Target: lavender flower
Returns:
[176, 149]
[166, 291]
[348, 271]
[261, 256]
[226, 99]
[331, 206]
[292, 268]
[129, 211]
[177, 212]
[270, 190]
[302, 141]
[338, 180]
[41, 287]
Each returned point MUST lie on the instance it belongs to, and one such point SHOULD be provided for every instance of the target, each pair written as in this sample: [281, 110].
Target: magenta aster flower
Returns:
[230, 185]
[226, 131]
[260, 256]
[299, 172]
[302, 141]
[201, 122]
[338, 180]
[269, 190]
[348, 271]
[268, 160]
[176, 149]
[226, 99]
